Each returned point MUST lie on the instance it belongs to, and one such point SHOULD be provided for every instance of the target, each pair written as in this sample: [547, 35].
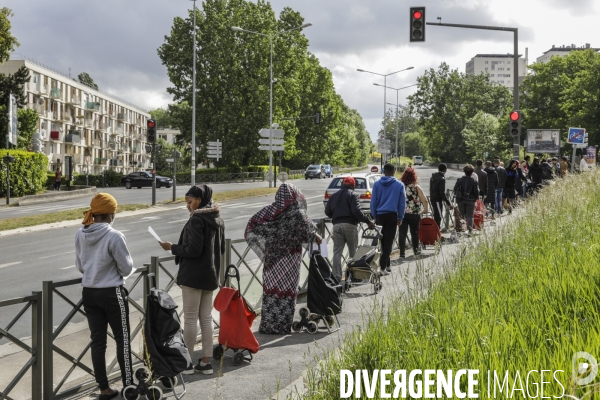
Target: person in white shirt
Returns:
[583, 164]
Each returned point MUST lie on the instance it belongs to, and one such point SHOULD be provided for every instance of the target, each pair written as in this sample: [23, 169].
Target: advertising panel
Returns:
[543, 141]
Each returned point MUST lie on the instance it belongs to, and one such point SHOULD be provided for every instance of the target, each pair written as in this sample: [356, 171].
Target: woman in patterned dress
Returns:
[277, 234]
[416, 204]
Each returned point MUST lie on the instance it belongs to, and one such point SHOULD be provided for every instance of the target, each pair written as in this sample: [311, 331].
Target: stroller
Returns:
[237, 316]
[324, 298]
[363, 268]
[165, 351]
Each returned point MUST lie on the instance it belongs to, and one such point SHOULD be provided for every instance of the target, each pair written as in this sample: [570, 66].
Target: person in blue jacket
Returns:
[388, 203]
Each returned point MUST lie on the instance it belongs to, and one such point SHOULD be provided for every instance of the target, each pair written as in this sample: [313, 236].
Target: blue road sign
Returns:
[576, 135]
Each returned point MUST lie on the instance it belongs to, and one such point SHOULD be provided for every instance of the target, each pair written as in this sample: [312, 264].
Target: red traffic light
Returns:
[417, 15]
[150, 124]
[514, 115]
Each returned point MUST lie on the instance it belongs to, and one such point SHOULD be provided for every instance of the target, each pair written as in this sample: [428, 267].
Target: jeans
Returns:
[343, 234]
[197, 304]
[57, 185]
[412, 221]
[389, 223]
[498, 207]
[438, 209]
[467, 208]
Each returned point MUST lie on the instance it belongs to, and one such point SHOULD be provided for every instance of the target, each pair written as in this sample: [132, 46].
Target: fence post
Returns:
[47, 362]
[154, 269]
[36, 347]
[226, 261]
[447, 215]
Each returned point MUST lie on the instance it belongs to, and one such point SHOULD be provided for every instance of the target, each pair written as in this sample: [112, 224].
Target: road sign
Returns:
[275, 141]
[277, 133]
[386, 151]
[170, 160]
[386, 141]
[217, 144]
[215, 151]
[576, 135]
[217, 156]
[274, 148]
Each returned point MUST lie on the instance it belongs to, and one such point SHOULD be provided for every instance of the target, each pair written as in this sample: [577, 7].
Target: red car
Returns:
[374, 169]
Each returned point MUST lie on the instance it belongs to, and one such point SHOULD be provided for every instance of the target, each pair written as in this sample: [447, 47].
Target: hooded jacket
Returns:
[199, 249]
[343, 207]
[101, 255]
[481, 180]
[468, 187]
[388, 197]
[492, 181]
[437, 188]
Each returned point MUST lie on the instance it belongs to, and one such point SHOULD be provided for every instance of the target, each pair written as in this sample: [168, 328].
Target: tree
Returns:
[162, 166]
[484, 137]
[7, 41]
[11, 84]
[27, 124]
[87, 80]
[162, 117]
[415, 144]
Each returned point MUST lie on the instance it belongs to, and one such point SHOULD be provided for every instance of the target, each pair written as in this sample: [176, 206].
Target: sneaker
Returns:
[204, 369]
[388, 269]
[402, 255]
[384, 272]
[189, 371]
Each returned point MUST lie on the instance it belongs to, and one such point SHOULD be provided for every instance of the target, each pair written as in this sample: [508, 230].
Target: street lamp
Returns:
[397, 104]
[270, 36]
[384, 92]
[194, 105]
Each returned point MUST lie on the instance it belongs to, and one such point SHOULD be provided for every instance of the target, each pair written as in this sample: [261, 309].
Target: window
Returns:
[486, 62]
[508, 62]
[492, 75]
[486, 68]
[508, 69]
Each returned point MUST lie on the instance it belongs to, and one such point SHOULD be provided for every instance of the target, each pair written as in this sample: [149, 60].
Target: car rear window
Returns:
[361, 183]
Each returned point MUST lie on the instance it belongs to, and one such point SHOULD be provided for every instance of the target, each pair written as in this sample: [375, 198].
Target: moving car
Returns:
[417, 160]
[144, 179]
[364, 188]
[315, 171]
[328, 171]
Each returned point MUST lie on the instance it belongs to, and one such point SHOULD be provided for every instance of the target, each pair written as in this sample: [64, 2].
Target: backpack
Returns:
[458, 191]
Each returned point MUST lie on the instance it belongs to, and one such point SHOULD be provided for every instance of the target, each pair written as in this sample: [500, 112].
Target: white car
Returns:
[364, 188]
[417, 160]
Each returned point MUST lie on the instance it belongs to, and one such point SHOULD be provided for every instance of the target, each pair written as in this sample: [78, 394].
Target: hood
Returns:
[436, 176]
[210, 216]
[387, 180]
[490, 170]
[95, 232]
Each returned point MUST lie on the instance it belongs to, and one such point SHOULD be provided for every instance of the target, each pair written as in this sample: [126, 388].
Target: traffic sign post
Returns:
[274, 142]
[215, 150]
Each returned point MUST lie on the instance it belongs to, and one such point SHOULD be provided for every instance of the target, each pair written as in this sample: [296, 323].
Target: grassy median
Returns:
[232, 195]
[67, 215]
[524, 297]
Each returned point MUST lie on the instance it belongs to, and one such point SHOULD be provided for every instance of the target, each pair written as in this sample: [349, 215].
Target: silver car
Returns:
[364, 188]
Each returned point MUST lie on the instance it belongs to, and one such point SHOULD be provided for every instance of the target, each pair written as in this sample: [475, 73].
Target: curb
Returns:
[60, 195]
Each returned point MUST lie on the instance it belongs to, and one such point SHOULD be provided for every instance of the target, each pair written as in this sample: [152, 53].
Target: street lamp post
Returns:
[194, 105]
[270, 36]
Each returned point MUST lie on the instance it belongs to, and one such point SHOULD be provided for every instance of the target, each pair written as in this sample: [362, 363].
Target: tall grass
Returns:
[525, 296]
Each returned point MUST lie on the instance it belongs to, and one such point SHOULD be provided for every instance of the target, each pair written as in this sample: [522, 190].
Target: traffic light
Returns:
[585, 139]
[151, 130]
[318, 118]
[515, 122]
[417, 24]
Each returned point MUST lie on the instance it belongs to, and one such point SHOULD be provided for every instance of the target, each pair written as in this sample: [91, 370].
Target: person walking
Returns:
[491, 182]
[416, 204]
[583, 164]
[277, 234]
[343, 208]
[536, 174]
[102, 256]
[198, 255]
[555, 167]
[512, 177]
[564, 167]
[388, 204]
[437, 193]
[500, 185]
[57, 179]
[481, 178]
[467, 193]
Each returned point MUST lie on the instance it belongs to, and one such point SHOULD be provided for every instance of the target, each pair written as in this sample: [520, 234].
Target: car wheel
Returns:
[139, 187]
[168, 187]
[127, 185]
[158, 185]
[306, 178]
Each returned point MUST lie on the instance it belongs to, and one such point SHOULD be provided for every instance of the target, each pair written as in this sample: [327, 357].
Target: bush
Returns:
[27, 173]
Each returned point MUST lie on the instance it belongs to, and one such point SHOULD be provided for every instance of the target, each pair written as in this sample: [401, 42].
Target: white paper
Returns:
[154, 234]
[379, 228]
[322, 248]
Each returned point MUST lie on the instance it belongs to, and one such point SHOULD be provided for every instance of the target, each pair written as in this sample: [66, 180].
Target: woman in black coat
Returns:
[198, 254]
[536, 173]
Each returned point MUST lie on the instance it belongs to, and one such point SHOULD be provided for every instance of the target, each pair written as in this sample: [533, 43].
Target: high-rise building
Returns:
[499, 66]
[562, 51]
[100, 131]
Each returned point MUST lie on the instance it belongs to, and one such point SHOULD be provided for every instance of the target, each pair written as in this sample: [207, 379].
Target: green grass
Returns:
[77, 213]
[232, 195]
[524, 297]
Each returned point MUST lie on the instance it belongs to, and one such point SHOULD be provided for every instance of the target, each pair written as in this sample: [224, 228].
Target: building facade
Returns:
[499, 66]
[168, 134]
[100, 131]
[561, 52]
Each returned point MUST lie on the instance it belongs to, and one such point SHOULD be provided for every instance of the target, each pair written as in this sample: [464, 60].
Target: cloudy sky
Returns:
[115, 41]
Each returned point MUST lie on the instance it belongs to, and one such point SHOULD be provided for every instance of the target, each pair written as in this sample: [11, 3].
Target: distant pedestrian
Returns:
[564, 167]
[547, 169]
[512, 177]
[57, 179]
[500, 185]
[583, 164]
[467, 193]
[388, 204]
[521, 183]
[343, 207]
[437, 193]
[555, 167]
[277, 234]
[416, 204]
[536, 174]
[101, 255]
[491, 181]
[525, 165]
[481, 178]
[198, 255]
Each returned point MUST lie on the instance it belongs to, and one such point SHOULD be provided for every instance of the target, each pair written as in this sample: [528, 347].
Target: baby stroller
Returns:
[324, 298]
[363, 268]
[237, 316]
[165, 351]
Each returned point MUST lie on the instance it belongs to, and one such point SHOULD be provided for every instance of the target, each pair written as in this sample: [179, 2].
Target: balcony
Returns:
[50, 115]
[38, 88]
[55, 135]
[66, 118]
[56, 94]
[73, 137]
[74, 100]
[119, 131]
[101, 126]
[100, 161]
[89, 123]
[55, 116]
[122, 117]
[92, 106]
[96, 143]
[116, 163]
[37, 107]
[134, 149]
[113, 146]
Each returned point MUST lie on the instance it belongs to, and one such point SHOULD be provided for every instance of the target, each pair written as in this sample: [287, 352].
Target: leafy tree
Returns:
[483, 135]
[11, 84]
[162, 166]
[27, 124]
[415, 144]
[87, 80]
[7, 41]
[162, 117]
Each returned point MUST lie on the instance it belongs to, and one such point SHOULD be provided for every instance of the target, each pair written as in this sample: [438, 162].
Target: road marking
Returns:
[145, 219]
[9, 264]
[179, 220]
[313, 197]
[240, 217]
[56, 255]
[275, 341]
[312, 204]
[124, 230]
[69, 267]
[232, 205]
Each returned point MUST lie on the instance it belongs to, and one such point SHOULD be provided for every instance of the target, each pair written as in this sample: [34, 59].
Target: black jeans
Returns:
[108, 306]
[438, 208]
[412, 221]
[389, 223]
[467, 208]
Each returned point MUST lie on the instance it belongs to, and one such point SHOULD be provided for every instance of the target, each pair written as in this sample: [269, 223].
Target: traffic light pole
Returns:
[153, 174]
[515, 31]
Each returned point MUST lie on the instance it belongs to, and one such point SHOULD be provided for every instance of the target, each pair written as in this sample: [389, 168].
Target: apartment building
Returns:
[499, 66]
[100, 131]
[562, 51]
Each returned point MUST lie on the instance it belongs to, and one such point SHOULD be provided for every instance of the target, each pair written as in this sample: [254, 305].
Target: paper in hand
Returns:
[154, 234]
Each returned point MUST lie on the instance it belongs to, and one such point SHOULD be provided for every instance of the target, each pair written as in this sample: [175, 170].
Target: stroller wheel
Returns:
[168, 382]
[296, 326]
[312, 327]
[218, 352]
[377, 287]
[304, 312]
[130, 393]
[238, 358]
[154, 393]
[329, 320]
[142, 374]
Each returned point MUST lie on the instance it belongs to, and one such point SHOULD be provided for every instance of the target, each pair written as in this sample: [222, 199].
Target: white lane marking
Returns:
[179, 220]
[56, 255]
[124, 230]
[275, 341]
[145, 219]
[312, 204]
[240, 217]
[69, 267]
[314, 197]
[233, 205]
[9, 264]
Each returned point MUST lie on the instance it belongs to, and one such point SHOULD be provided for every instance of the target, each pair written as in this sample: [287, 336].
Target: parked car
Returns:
[364, 188]
[144, 179]
[315, 171]
[328, 170]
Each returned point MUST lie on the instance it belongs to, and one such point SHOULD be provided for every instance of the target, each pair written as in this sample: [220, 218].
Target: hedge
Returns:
[27, 173]
[111, 179]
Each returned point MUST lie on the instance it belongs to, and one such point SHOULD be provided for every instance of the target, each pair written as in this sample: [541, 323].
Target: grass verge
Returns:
[77, 213]
[524, 297]
[232, 195]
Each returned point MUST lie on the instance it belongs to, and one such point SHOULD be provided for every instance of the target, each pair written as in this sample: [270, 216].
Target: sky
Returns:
[115, 41]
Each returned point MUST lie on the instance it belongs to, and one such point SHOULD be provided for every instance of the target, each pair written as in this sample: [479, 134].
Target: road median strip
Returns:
[231, 195]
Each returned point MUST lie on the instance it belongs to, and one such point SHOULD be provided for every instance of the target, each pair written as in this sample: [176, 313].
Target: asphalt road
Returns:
[30, 258]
